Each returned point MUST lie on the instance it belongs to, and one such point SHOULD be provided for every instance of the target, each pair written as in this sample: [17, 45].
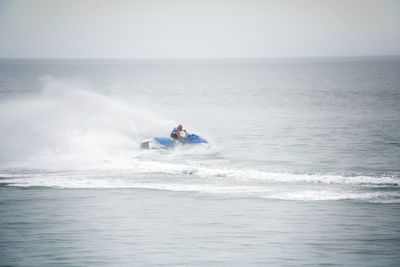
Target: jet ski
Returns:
[169, 143]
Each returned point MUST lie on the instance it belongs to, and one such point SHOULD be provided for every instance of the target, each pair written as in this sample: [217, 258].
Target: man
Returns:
[178, 133]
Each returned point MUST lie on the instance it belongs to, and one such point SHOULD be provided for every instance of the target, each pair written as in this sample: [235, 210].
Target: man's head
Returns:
[180, 127]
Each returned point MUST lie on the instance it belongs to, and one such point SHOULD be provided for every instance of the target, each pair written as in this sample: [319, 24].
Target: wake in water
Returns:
[211, 180]
[96, 138]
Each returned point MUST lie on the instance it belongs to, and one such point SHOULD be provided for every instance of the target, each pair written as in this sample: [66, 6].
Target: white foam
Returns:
[210, 180]
[240, 174]
[150, 167]
[323, 195]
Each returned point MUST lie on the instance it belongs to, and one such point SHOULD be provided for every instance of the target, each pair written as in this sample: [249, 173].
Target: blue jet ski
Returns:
[169, 143]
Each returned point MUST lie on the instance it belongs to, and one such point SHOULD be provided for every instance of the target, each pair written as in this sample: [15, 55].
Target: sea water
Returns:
[303, 167]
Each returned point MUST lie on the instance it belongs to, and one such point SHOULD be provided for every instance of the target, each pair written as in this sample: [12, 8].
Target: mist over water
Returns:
[68, 125]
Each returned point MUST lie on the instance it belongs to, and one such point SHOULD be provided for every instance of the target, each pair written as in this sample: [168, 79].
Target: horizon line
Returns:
[201, 58]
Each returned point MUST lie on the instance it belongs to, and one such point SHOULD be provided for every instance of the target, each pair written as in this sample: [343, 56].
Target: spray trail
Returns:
[67, 125]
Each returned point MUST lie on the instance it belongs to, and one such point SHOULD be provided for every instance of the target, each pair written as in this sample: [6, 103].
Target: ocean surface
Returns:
[303, 166]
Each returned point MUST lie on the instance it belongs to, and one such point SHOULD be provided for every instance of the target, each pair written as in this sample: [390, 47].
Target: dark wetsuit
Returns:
[173, 133]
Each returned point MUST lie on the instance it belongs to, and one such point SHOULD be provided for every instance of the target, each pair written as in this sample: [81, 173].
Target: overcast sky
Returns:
[198, 29]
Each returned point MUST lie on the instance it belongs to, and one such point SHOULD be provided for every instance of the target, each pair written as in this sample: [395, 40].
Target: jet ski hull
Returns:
[169, 143]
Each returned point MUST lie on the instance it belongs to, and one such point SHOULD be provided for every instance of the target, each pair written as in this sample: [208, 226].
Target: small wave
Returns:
[200, 179]
[293, 193]
[140, 167]
[326, 195]
[242, 174]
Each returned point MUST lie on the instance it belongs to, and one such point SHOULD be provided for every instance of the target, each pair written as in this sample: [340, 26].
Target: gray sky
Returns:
[198, 29]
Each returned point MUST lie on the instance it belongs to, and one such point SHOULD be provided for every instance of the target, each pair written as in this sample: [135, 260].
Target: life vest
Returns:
[173, 133]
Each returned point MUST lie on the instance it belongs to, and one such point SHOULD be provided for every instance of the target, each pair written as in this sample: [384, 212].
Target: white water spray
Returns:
[67, 125]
